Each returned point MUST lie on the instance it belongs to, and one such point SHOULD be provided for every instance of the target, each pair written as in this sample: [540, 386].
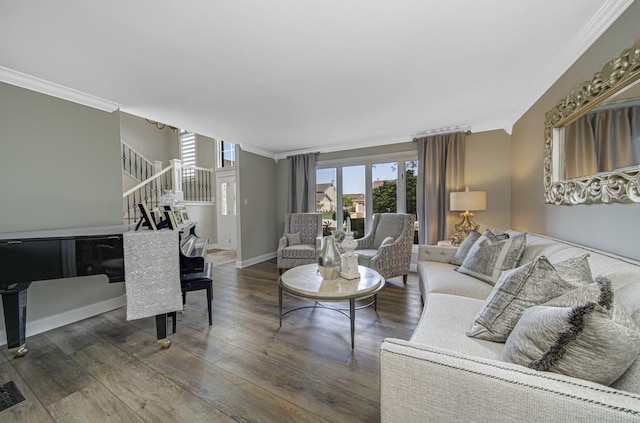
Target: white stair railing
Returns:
[189, 184]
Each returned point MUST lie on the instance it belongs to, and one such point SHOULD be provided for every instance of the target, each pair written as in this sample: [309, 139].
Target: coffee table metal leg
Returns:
[352, 317]
[280, 303]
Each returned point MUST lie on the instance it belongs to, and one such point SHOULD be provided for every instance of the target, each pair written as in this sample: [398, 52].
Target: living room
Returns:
[61, 168]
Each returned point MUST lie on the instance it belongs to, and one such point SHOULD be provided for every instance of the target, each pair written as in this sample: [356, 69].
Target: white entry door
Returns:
[226, 212]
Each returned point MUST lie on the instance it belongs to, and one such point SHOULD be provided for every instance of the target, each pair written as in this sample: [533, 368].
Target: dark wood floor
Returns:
[243, 368]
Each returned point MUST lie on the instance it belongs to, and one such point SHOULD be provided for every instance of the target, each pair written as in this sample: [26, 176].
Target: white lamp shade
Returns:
[468, 200]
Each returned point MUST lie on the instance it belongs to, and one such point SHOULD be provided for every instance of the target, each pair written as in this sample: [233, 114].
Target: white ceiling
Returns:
[287, 76]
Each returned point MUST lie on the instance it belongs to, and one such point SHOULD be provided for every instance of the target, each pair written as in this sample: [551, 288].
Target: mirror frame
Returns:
[619, 185]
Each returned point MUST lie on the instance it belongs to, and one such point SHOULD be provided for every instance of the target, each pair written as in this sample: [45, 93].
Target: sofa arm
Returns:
[420, 383]
[436, 253]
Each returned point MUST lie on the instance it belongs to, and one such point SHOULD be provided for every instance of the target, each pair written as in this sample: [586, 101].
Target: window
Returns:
[411, 192]
[226, 154]
[188, 149]
[384, 187]
[354, 199]
[360, 190]
[326, 200]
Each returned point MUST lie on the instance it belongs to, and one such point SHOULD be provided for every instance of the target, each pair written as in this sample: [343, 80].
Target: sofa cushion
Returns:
[441, 278]
[444, 321]
[530, 284]
[585, 341]
[489, 256]
[465, 246]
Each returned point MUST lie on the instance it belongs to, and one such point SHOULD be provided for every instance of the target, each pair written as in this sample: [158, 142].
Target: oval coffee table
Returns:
[305, 282]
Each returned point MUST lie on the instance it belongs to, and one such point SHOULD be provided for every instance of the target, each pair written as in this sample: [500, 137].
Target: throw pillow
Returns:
[464, 247]
[528, 285]
[293, 239]
[387, 240]
[586, 341]
[488, 256]
[599, 292]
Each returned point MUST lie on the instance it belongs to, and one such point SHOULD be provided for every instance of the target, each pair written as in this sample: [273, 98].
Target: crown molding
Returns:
[259, 151]
[590, 32]
[33, 83]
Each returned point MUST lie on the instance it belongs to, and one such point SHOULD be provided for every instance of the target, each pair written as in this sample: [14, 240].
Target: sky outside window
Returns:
[353, 177]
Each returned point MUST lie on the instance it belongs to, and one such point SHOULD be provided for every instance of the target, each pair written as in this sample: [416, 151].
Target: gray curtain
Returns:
[302, 183]
[601, 141]
[440, 171]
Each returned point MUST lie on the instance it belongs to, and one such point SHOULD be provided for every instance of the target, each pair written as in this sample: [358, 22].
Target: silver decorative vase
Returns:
[329, 261]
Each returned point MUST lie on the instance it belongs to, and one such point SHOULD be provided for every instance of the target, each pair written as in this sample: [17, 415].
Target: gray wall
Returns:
[59, 168]
[60, 163]
[282, 195]
[611, 227]
[151, 142]
[255, 178]
[488, 168]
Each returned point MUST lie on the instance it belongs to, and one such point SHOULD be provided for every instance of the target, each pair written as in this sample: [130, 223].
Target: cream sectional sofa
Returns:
[443, 375]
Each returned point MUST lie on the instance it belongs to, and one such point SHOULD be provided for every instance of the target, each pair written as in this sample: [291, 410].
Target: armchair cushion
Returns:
[299, 251]
[389, 226]
[387, 240]
[293, 239]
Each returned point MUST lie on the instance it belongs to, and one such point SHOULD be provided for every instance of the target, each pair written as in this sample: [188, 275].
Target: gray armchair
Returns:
[387, 247]
[302, 240]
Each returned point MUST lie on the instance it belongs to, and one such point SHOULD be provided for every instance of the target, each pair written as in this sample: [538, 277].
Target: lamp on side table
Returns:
[465, 201]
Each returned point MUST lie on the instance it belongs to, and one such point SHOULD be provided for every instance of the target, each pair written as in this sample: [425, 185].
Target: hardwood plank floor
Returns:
[243, 368]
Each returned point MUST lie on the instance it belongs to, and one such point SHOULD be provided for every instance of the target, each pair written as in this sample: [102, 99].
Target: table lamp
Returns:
[465, 201]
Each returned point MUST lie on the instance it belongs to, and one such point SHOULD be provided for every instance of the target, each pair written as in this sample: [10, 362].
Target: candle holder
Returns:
[349, 265]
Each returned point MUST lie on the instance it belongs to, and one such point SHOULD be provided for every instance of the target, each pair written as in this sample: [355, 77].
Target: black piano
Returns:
[195, 274]
[195, 271]
[27, 257]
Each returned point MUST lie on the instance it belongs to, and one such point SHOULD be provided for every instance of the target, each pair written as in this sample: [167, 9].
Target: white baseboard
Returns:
[255, 260]
[70, 316]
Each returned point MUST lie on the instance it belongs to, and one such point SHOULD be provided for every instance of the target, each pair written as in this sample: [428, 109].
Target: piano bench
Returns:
[197, 281]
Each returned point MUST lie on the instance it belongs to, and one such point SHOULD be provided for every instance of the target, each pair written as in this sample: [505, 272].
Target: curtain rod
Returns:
[440, 131]
[302, 154]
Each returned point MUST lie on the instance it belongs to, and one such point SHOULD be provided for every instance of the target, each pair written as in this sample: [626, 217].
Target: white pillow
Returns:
[387, 240]
[293, 239]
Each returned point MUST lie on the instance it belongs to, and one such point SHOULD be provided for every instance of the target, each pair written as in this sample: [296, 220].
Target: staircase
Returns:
[150, 181]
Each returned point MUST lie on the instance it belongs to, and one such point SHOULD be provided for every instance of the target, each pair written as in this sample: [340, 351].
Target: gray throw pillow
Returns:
[293, 239]
[464, 247]
[585, 341]
[488, 256]
[528, 285]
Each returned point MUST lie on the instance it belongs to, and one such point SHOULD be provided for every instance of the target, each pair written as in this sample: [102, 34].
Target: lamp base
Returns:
[463, 228]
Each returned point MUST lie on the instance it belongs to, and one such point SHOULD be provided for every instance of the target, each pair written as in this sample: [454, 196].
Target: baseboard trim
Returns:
[240, 264]
[70, 316]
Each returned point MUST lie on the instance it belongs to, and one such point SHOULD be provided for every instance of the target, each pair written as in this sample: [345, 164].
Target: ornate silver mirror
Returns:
[592, 137]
